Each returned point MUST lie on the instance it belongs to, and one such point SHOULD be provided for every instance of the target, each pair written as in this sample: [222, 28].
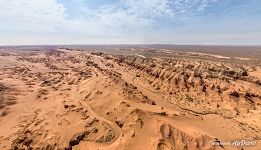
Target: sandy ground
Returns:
[69, 99]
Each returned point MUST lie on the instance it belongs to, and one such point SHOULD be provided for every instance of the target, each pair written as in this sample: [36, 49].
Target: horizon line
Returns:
[127, 44]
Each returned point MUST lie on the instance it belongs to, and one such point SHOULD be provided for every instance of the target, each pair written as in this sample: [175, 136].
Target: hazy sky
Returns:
[130, 22]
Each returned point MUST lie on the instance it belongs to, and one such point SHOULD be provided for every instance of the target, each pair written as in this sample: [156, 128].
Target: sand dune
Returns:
[71, 99]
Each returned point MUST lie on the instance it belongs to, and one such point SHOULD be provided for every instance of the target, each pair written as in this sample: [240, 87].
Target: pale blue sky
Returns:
[218, 22]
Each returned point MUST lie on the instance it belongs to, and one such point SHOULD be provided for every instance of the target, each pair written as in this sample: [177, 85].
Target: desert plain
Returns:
[130, 98]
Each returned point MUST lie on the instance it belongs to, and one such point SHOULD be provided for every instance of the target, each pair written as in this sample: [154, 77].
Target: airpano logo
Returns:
[237, 143]
[244, 143]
